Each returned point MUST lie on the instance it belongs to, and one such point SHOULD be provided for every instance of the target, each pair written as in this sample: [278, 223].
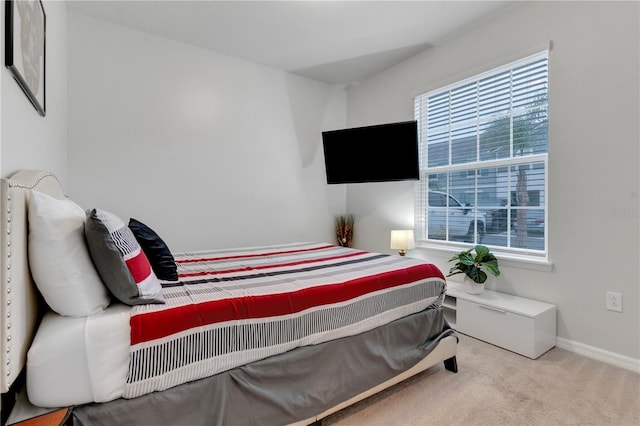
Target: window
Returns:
[483, 160]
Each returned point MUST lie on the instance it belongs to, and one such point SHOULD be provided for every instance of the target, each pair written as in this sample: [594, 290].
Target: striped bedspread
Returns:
[232, 307]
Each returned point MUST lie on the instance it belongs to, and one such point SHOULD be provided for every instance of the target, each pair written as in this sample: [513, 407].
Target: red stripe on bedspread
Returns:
[254, 255]
[153, 325]
[270, 266]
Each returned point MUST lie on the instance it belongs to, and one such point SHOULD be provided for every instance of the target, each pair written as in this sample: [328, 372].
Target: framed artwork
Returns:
[25, 24]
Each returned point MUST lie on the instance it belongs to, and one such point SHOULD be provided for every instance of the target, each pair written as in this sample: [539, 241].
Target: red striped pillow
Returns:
[119, 259]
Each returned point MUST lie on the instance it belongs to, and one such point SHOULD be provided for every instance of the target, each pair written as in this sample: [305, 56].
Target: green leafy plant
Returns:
[474, 266]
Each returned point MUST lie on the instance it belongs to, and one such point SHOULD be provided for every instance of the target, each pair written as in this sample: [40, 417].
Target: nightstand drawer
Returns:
[527, 335]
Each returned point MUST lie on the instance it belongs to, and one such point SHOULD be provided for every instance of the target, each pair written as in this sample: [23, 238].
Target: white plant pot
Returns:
[471, 286]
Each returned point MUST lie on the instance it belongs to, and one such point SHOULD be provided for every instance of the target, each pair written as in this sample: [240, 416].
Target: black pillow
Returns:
[159, 255]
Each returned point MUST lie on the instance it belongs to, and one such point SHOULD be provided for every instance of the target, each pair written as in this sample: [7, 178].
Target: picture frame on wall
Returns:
[25, 26]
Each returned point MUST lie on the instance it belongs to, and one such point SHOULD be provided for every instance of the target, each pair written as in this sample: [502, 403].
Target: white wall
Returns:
[28, 140]
[209, 150]
[593, 159]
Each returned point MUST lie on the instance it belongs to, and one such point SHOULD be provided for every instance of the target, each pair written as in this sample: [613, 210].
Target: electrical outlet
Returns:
[614, 301]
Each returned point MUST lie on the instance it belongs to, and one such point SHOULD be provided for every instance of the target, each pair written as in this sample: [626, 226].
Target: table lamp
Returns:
[402, 240]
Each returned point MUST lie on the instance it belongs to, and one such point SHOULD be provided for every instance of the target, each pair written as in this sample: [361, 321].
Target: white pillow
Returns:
[59, 258]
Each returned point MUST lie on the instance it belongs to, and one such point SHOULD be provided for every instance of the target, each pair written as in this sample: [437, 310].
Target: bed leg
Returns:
[451, 364]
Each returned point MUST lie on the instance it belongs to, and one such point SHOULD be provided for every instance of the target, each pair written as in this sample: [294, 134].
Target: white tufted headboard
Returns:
[18, 294]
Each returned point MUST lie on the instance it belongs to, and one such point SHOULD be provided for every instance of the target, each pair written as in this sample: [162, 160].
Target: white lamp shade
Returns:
[402, 239]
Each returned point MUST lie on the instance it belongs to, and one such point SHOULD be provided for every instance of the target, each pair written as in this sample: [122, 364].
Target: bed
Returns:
[294, 331]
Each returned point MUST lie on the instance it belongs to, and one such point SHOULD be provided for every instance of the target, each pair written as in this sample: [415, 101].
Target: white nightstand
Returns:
[521, 325]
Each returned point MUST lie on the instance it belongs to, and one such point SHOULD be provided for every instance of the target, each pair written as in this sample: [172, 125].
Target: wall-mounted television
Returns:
[378, 153]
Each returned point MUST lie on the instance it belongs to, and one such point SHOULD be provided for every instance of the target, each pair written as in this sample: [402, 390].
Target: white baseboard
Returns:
[612, 358]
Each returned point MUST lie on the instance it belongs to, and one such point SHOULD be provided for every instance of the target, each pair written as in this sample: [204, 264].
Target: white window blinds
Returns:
[483, 159]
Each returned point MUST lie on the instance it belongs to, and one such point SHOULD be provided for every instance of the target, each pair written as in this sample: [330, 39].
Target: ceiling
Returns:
[332, 41]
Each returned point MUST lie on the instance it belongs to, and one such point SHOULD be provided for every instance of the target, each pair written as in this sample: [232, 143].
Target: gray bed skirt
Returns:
[285, 388]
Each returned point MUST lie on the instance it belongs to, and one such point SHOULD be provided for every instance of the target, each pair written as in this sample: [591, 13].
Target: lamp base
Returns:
[402, 252]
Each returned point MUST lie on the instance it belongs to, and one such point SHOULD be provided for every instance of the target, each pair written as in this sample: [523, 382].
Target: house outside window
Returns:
[483, 160]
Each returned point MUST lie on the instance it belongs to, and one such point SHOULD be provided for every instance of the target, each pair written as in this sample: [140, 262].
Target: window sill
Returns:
[508, 259]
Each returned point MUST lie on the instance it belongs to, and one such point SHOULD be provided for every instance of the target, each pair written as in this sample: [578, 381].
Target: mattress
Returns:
[229, 308]
[75, 360]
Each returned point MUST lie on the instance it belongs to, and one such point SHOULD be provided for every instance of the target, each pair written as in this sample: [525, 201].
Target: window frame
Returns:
[529, 258]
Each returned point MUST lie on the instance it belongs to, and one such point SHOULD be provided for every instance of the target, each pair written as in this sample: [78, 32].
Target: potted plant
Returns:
[474, 267]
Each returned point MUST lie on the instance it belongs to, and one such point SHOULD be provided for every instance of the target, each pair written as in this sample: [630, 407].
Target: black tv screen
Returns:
[379, 153]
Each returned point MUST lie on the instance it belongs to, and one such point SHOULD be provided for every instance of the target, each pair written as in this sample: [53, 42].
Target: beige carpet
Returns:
[497, 387]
